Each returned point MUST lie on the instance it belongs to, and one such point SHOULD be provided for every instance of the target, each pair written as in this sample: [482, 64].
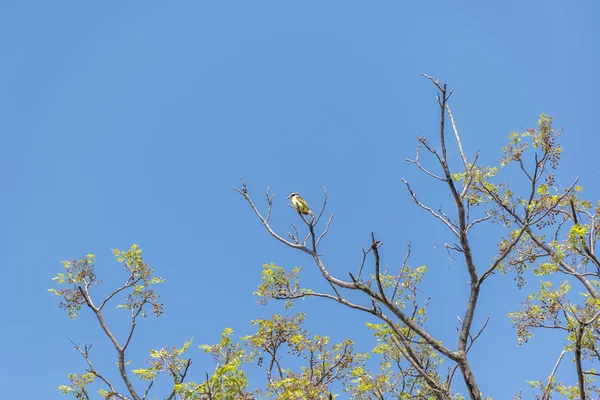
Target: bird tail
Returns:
[311, 213]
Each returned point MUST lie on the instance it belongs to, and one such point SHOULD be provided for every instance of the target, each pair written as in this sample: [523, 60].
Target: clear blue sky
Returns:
[129, 122]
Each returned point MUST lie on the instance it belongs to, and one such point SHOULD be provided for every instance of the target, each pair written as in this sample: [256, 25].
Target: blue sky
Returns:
[129, 122]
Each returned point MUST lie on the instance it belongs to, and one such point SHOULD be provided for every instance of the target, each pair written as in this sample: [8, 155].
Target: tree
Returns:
[548, 230]
[326, 362]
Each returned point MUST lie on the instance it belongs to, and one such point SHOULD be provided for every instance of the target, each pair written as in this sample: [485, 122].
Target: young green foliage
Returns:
[139, 290]
[555, 231]
[551, 233]
[323, 363]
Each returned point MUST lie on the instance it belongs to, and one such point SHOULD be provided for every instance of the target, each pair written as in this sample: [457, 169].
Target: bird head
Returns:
[293, 194]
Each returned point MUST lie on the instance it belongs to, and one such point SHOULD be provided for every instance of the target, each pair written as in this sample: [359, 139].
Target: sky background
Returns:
[129, 122]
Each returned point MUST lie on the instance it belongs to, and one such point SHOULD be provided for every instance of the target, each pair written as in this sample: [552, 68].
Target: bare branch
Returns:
[148, 390]
[435, 81]
[479, 220]
[113, 339]
[447, 218]
[270, 203]
[126, 285]
[85, 353]
[418, 163]
[423, 140]
[375, 244]
[456, 135]
[364, 258]
[324, 205]
[423, 206]
[244, 192]
[461, 232]
[326, 230]
[406, 256]
[547, 391]
[134, 315]
[473, 339]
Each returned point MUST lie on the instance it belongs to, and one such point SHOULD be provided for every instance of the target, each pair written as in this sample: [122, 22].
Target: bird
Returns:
[300, 204]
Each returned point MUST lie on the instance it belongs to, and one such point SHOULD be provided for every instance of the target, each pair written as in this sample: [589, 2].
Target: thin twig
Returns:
[406, 256]
[148, 389]
[548, 389]
[85, 353]
[326, 196]
[457, 137]
[418, 163]
[375, 244]
[244, 192]
[325, 230]
[413, 195]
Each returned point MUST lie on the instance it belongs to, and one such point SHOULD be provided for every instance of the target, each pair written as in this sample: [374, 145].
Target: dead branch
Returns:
[548, 389]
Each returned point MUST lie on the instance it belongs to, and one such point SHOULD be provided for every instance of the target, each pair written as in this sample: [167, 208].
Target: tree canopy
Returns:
[547, 230]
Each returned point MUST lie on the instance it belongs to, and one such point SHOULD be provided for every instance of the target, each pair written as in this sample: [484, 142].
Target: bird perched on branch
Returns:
[300, 204]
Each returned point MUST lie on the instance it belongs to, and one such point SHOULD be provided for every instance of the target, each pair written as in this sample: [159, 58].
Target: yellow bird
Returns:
[300, 204]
